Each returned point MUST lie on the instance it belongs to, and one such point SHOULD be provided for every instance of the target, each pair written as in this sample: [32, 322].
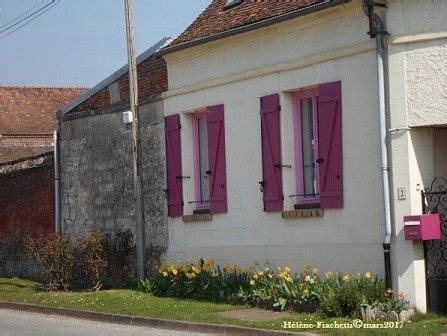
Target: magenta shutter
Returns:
[330, 145]
[217, 162]
[174, 166]
[271, 154]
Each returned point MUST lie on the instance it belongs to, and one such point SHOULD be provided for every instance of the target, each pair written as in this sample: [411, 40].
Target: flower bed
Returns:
[333, 294]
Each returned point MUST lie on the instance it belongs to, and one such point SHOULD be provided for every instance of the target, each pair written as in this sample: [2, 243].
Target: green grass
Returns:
[132, 302]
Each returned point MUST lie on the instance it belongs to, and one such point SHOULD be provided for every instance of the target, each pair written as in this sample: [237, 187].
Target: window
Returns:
[318, 147]
[209, 160]
[306, 147]
[317, 122]
[201, 160]
[210, 177]
[232, 3]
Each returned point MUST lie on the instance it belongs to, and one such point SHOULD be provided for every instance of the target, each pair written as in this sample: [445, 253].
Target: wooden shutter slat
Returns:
[174, 166]
[271, 154]
[330, 145]
[217, 159]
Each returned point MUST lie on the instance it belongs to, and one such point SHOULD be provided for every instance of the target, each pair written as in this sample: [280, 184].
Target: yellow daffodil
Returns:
[174, 271]
[306, 292]
[289, 279]
[368, 275]
[191, 275]
[287, 269]
[260, 273]
[329, 274]
[346, 277]
[209, 265]
[270, 276]
[165, 274]
[255, 276]
[252, 282]
[196, 270]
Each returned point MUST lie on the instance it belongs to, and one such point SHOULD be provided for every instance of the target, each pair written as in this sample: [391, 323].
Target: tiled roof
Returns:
[32, 109]
[8, 154]
[215, 19]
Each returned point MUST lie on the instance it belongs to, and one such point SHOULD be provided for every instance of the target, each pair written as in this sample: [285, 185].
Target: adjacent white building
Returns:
[273, 134]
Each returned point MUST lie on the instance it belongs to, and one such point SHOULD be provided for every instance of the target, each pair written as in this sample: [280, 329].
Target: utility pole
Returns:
[133, 94]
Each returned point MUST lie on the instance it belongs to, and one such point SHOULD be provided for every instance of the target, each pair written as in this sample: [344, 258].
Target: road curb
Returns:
[147, 321]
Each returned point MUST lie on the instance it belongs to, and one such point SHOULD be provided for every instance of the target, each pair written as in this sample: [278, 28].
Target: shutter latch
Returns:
[261, 185]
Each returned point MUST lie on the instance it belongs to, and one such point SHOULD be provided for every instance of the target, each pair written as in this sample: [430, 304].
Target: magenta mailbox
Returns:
[422, 227]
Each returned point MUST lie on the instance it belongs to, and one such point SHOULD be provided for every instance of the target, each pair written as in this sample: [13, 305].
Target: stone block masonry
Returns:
[96, 162]
[97, 179]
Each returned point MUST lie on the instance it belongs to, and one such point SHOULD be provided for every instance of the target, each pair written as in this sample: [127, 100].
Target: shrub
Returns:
[95, 258]
[281, 290]
[343, 295]
[340, 295]
[121, 252]
[55, 253]
[11, 246]
[200, 281]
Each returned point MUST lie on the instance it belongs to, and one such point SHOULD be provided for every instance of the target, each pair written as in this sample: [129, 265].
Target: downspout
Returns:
[385, 165]
[57, 203]
[377, 31]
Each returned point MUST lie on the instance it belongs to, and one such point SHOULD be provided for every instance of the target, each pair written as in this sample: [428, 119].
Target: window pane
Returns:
[308, 147]
[203, 160]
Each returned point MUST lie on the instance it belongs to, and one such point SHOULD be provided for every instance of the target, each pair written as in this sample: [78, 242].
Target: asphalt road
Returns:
[16, 323]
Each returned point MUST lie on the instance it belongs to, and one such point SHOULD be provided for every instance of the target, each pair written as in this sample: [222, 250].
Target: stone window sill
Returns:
[197, 218]
[302, 213]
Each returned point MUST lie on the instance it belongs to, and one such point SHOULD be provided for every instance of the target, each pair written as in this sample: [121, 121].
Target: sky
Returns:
[81, 42]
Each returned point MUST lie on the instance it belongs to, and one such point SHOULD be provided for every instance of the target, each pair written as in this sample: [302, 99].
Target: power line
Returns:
[21, 15]
[29, 18]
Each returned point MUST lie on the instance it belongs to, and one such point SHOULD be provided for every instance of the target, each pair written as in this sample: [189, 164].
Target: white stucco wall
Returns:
[424, 63]
[236, 74]
[440, 152]
[417, 97]
[426, 80]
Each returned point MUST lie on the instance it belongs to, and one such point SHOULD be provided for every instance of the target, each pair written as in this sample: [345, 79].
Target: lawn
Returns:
[133, 302]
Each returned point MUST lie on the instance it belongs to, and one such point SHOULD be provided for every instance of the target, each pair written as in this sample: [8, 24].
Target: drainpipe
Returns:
[385, 166]
[57, 205]
[377, 31]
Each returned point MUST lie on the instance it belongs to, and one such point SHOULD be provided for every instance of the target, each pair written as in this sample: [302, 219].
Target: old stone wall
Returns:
[97, 179]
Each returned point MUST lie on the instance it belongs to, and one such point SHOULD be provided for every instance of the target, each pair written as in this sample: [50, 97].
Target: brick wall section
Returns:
[152, 79]
[27, 201]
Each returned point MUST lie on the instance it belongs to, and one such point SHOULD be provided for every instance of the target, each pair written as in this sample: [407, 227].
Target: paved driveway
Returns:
[16, 323]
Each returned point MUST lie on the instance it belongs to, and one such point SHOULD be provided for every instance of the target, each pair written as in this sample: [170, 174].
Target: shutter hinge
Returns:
[282, 197]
